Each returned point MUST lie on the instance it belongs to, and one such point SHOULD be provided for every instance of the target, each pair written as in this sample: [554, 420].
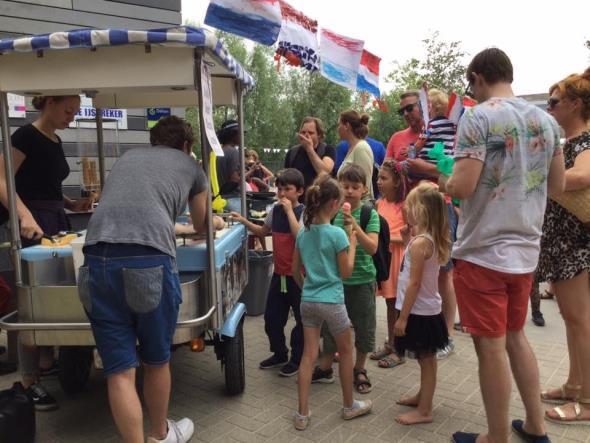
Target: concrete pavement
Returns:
[264, 412]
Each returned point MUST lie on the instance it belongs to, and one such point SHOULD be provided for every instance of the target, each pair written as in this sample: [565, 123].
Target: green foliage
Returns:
[443, 67]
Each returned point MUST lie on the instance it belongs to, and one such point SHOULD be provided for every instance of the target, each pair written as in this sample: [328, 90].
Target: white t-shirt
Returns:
[428, 301]
[500, 224]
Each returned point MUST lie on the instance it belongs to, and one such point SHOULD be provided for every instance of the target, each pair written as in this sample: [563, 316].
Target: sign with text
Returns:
[155, 114]
[88, 112]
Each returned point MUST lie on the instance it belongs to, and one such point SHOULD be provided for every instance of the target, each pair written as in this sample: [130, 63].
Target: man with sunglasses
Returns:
[507, 161]
[409, 109]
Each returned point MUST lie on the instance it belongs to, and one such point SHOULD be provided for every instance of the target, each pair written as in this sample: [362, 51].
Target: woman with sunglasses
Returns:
[398, 145]
[565, 251]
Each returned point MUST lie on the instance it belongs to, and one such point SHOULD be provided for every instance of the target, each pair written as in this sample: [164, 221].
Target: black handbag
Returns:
[17, 415]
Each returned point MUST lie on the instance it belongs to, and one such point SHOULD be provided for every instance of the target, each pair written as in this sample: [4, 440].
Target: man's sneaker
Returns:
[301, 422]
[322, 376]
[358, 408]
[41, 398]
[538, 318]
[289, 369]
[447, 351]
[179, 431]
[51, 370]
[273, 361]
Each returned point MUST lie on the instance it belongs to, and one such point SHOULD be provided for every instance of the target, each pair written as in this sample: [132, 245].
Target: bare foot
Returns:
[409, 401]
[413, 418]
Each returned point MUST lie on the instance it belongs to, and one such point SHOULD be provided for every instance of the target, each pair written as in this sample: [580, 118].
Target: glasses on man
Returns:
[408, 108]
[552, 102]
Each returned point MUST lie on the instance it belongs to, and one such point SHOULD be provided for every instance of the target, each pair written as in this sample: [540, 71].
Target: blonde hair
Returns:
[439, 102]
[251, 153]
[427, 206]
[576, 86]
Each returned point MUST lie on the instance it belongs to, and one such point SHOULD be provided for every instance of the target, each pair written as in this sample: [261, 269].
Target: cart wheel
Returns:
[233, 359]
[74, 367]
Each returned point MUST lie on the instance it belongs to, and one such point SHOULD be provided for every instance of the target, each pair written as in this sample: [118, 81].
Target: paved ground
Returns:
[264, 411]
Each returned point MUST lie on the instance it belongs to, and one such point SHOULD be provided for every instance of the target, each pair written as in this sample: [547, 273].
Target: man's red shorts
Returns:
[490, 302]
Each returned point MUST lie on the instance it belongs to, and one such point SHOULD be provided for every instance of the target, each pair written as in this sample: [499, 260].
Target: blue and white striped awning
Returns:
[95, 38]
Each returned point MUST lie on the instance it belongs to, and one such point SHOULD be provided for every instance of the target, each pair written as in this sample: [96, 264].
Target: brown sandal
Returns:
[565, 420]
[563, 398]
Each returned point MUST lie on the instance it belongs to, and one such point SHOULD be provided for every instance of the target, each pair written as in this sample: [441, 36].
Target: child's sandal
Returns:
[363, 386]
[381, 353]
[563, 398]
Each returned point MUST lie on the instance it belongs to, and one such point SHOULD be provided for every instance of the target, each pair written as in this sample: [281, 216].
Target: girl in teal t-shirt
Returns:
[327, 255]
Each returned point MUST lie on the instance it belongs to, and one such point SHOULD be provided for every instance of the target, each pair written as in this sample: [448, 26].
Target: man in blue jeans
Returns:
[129, 284]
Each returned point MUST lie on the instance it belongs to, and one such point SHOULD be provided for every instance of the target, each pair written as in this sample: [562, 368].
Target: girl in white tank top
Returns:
[420, 330]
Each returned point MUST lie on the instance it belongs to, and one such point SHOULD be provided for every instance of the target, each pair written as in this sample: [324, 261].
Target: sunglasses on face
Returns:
[552, 102]
[408, 108]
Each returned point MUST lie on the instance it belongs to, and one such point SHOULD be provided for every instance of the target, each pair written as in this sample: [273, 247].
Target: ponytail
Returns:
[323, 191]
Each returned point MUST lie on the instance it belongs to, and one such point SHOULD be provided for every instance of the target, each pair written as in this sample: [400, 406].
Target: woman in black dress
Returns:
[565, 250]
[40, 167]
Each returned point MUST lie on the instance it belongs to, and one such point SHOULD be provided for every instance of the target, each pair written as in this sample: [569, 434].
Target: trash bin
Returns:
[255, 292]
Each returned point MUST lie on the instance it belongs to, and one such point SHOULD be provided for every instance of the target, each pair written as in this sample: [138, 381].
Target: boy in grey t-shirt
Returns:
[129, 284]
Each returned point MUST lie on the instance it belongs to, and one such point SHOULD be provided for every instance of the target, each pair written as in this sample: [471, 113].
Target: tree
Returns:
[443, 67]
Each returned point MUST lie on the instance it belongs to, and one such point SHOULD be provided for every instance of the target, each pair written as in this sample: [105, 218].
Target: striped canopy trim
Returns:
[95, 38]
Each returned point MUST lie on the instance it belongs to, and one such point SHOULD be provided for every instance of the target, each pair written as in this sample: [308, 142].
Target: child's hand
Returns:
[352, 238]
[348, 219]
[286, 204]
[399, 329]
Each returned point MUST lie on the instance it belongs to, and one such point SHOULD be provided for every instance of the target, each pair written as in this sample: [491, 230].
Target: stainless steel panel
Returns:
[60, 304]
[58, 271]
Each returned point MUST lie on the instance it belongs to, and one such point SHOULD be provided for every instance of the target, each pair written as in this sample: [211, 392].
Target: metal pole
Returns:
[205, 150]
[240, 110]
[10, 189]
[100, 144]
[240, 106]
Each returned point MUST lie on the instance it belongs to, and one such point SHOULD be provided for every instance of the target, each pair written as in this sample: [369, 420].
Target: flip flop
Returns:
[518, 429]
[464, 437]
[389, 363]
[546, 295]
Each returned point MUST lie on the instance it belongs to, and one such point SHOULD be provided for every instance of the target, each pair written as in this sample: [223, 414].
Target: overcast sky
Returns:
[544, 39]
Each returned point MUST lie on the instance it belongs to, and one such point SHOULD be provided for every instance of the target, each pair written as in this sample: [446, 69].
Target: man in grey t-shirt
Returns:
[129, 284]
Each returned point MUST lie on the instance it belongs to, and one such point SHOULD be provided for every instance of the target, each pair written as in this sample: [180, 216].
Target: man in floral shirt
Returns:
[507, 159]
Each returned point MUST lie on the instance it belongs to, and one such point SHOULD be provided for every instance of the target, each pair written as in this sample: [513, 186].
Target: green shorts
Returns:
[360, 305]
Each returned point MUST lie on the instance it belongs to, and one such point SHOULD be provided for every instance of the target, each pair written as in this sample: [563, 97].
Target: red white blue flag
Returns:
[340, 58]
[457, 106]
[368, 75]
[298, 39]
[258, 20]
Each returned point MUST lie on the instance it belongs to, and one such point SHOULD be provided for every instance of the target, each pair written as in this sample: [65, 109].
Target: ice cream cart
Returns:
[120, 68]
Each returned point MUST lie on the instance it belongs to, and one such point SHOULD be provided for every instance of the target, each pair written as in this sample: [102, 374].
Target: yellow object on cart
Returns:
[218, 202]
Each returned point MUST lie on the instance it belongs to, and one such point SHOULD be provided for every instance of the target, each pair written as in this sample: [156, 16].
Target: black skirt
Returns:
[425, 336]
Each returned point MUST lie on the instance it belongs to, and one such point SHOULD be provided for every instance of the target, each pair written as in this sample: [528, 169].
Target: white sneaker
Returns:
[358, 408]
[179, 431]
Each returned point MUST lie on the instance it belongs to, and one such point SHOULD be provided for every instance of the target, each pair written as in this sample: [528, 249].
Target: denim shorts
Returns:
[131, 294]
